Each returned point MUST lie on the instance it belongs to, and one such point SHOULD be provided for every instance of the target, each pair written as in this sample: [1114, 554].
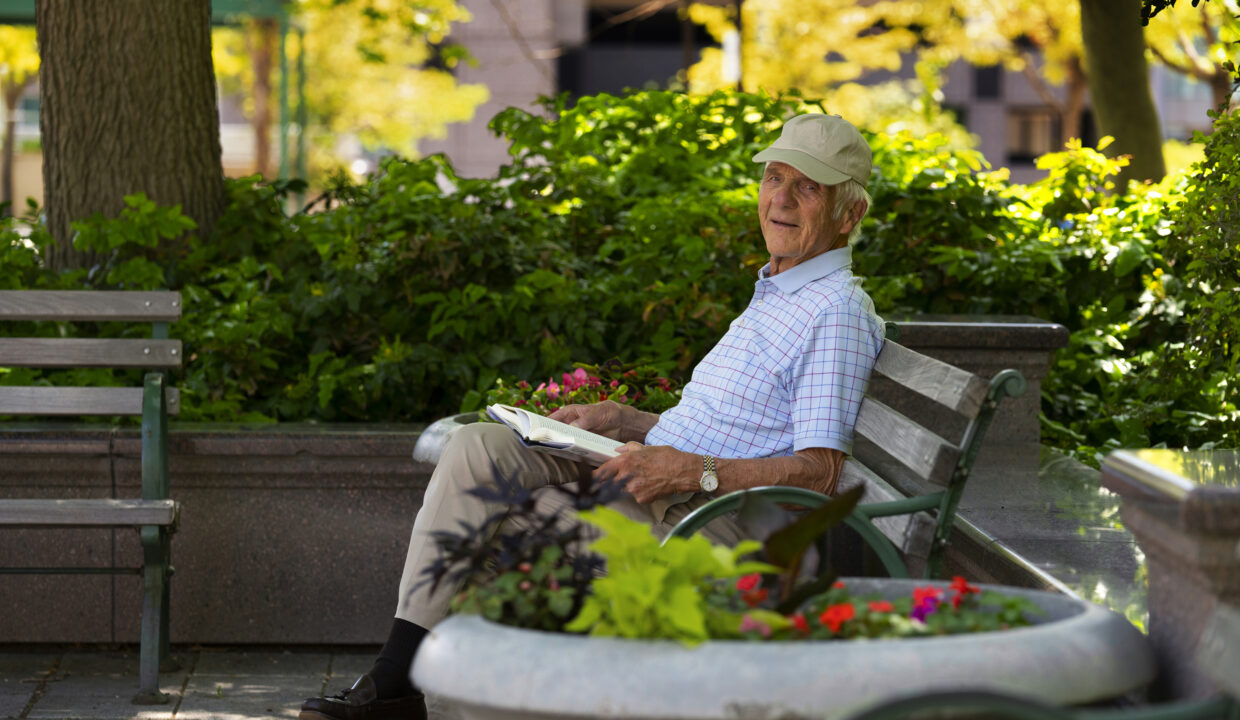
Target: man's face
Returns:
[795, 214]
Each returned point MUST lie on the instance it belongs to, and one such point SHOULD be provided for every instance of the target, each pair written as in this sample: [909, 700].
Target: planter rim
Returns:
[1082, 653]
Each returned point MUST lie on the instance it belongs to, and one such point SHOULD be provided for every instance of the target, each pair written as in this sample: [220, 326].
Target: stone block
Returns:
[1191, 551]
[288, 535]
[985, 345]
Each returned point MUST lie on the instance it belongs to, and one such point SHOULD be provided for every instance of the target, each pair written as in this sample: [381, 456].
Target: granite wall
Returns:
[289, 534]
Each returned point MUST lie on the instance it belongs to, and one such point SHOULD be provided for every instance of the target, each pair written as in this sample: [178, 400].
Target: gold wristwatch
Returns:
[709, 481]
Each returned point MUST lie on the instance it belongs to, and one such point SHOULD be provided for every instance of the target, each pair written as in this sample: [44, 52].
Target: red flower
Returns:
[750, 593]
[881, 606]
[798, 622]
[962, 588]
[754, 598]
[838, 584]
[923, 594]
[960, 585]
[836, 615]
[748, 582]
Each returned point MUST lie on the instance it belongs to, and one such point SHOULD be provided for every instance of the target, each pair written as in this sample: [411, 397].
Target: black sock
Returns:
[391, 669]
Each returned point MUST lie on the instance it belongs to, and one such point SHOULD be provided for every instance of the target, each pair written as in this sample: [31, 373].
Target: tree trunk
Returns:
[263, 37]
[128, 105]
[1120, 85]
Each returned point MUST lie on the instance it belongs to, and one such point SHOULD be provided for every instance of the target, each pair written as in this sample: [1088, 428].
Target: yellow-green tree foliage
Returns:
[1197, 42]
[19, 66]
[367, 74]
[818, 46]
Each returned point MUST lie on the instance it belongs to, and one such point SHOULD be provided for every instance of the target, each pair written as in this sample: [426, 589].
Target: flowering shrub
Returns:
[638, 385]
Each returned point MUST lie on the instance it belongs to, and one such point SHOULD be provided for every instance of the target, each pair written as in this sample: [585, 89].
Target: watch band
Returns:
[709, 481]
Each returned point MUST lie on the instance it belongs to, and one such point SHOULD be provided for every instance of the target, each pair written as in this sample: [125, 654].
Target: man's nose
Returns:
[784, 197]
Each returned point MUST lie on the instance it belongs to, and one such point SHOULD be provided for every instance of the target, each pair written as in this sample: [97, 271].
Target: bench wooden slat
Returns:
[78, 401]
[90, 352]
[925, 454]
[947, 385]
[74, 305]
[912, 534]
[87, 513]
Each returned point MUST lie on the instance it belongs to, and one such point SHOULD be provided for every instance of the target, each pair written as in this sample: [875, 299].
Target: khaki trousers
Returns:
[472, 457]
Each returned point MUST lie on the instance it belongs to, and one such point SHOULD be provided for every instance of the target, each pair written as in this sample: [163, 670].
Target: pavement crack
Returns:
[50, 676]
[193, 665]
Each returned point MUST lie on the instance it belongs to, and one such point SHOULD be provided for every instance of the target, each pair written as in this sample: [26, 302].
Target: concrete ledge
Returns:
[289, 533]
[986, 344]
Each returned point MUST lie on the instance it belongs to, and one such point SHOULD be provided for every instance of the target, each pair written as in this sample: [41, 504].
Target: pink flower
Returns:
[749, 624]
[615, 383]
[523, 385]
[553, 391]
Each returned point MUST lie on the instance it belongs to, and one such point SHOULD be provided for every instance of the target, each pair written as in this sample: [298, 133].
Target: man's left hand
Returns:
[650, 473]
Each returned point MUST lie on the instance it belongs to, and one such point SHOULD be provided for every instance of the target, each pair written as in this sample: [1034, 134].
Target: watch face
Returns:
[710, 482]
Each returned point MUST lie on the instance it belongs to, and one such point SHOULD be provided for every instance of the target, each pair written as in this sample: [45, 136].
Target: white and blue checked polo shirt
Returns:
[790, 372]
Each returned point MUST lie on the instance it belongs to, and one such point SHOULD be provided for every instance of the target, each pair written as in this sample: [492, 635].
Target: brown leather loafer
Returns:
[360, 703]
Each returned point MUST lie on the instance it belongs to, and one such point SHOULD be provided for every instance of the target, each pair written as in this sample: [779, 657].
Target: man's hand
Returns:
[650, 473]
[609, 419]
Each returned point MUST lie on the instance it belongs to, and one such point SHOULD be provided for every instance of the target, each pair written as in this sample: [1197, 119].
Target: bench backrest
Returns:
[919, 430]
[154, 353]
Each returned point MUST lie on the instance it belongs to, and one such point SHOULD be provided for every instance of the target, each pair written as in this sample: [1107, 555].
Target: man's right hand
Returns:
[609, 419]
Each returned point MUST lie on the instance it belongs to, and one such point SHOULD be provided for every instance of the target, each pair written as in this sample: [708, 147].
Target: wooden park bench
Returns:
[918, 433]
[154, 515]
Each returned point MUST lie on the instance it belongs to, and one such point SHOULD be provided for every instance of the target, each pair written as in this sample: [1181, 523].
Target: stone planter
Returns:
[433, 439]
[1078, 653]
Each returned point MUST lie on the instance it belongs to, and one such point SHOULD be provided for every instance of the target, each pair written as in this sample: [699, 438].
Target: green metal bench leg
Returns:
[154, 616]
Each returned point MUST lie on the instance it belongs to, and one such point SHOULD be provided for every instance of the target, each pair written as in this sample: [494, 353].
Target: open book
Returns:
[554, 437]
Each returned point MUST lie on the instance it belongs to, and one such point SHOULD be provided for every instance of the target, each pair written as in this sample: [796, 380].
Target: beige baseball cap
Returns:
[827, 148]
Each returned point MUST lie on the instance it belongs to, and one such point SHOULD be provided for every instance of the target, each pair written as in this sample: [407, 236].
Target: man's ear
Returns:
[853, 216]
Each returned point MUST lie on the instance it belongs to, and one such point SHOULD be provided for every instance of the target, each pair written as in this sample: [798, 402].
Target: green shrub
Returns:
[625, 227]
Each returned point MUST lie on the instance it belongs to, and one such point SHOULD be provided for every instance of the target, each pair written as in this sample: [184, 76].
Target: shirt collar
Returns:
[802, 274]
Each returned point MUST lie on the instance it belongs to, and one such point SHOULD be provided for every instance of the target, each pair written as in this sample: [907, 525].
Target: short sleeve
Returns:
[828, 379]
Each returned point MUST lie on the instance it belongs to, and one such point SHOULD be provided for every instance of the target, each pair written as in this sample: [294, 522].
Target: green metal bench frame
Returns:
[154, 515]
[930, 380]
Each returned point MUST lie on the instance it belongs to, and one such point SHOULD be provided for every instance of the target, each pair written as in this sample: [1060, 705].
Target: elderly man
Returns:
[774, 403]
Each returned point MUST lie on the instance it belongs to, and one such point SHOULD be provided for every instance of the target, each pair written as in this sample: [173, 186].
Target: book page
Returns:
[539, 428]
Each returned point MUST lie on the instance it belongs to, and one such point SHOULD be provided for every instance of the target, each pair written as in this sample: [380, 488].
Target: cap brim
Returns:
[814, 169]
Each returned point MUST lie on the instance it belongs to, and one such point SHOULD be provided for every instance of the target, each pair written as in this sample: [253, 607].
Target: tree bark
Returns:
[128, 105]
[1120, 85]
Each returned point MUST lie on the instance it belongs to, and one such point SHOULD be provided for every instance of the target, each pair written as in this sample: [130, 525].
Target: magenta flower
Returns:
[925, 606]
[748, 624]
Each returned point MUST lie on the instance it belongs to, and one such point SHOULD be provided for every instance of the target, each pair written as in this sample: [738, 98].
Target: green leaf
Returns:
[785, 546]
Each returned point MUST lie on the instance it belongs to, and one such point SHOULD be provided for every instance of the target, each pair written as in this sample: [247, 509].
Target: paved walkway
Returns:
[213, 684]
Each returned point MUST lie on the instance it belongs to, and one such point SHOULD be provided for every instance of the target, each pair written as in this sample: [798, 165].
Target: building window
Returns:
[988, 82]
[1031, 133]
